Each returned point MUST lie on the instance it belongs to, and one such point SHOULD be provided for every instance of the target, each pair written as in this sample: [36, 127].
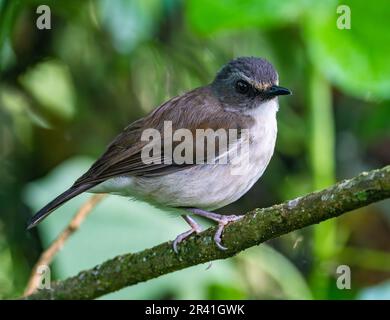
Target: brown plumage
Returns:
[243, 96]
[123, 155]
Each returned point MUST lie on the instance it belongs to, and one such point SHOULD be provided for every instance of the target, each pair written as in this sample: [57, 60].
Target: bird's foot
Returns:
[222, 221]
[195, 228]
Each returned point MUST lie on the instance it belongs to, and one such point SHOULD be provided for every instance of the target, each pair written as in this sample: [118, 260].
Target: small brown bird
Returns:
[242, 97]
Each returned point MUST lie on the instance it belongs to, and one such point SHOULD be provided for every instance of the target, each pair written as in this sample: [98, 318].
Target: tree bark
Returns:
[257, 226]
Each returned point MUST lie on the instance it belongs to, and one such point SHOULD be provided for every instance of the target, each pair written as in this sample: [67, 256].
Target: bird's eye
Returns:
[242, 87]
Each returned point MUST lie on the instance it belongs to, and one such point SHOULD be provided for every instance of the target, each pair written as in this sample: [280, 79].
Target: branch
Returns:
[48, 255]
[257, 226]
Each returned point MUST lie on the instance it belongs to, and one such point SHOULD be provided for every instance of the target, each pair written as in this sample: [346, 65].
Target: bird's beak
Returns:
[275, 91]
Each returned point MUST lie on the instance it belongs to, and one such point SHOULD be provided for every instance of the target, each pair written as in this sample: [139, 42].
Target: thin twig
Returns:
[48, 255]
[257, 226]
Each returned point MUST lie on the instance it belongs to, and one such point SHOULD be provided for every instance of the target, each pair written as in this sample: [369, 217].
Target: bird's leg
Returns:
[195, 227]
[222, 221]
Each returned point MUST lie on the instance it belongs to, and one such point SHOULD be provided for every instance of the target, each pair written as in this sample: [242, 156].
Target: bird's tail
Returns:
[56, 203]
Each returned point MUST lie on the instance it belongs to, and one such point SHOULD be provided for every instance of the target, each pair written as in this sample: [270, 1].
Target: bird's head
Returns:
[246, 83]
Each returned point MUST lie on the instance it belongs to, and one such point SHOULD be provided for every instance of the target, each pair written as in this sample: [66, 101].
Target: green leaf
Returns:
[51, 84]
[207, 17]
[280, 269]
[6, 285]
[129, 21]
[356, 59]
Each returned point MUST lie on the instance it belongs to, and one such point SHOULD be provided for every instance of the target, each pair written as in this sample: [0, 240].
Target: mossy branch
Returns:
[257, 226]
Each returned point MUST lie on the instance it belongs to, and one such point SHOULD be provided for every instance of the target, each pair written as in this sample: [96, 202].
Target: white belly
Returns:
[207, 186]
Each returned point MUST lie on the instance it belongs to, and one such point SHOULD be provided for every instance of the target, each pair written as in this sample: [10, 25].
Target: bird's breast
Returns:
[211, 186]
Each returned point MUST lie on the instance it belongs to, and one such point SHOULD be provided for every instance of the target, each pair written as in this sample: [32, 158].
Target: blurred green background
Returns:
[67, 91]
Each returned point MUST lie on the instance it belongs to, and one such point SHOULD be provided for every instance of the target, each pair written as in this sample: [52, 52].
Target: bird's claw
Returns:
[222, 220]
[222, 223]
[180, 238]
[184, 236]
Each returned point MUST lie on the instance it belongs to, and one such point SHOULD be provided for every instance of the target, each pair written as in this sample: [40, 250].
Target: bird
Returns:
[242, 98]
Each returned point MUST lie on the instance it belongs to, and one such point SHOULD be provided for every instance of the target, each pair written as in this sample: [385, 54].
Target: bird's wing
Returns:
[197, 109]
